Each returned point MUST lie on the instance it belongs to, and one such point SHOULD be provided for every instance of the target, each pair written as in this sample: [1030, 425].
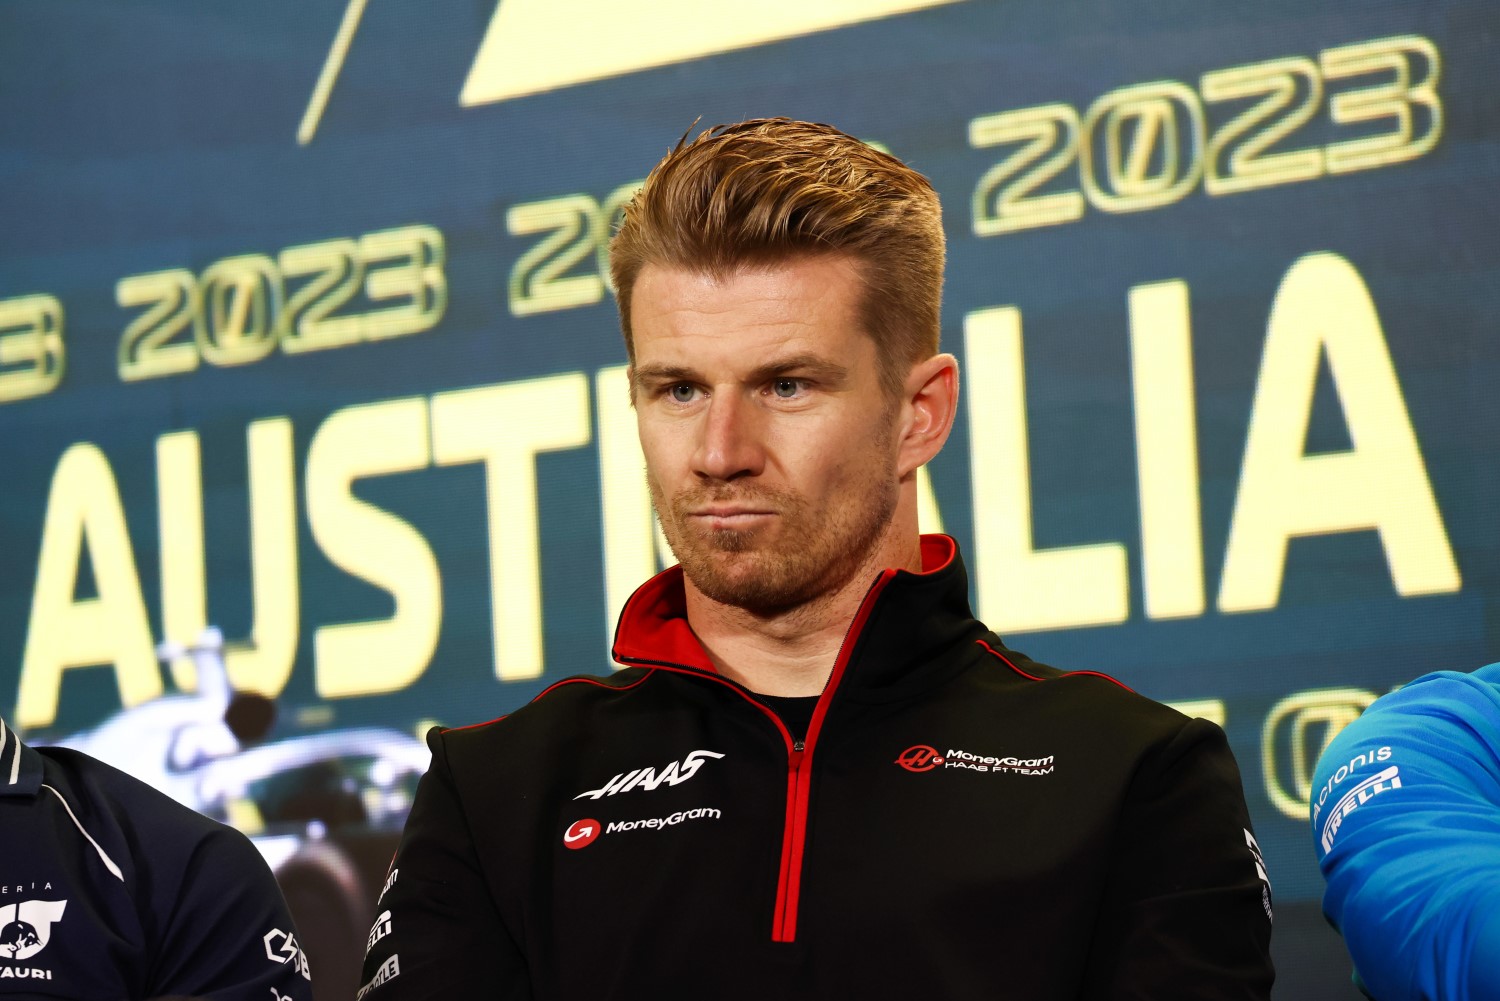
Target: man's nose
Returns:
[729, 442]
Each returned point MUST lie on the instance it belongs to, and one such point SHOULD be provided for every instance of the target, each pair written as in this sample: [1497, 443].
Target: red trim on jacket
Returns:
[1066, 674]
[654, 627]
[938, 551]
[556, 684]
[654, 633]
[799, 785]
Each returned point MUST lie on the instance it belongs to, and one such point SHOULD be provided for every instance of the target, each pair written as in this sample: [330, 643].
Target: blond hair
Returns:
[771, 190]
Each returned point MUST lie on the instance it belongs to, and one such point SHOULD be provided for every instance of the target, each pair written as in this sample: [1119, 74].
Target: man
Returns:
[1406, 823]
[111, 890]
[817, 776]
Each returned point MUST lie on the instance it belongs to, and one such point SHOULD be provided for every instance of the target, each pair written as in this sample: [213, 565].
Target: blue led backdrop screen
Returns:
[306, 335]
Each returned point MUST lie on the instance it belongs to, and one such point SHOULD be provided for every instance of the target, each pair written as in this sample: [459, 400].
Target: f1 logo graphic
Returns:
[581, 833]
[507, 66]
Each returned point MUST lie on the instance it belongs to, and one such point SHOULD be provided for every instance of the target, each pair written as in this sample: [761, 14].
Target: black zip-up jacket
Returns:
[960, 822]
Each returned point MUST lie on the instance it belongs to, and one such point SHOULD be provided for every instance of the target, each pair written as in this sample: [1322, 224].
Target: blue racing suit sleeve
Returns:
[1406, 821]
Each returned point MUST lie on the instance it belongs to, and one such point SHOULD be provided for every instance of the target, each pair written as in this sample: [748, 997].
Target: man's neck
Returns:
[791, 652]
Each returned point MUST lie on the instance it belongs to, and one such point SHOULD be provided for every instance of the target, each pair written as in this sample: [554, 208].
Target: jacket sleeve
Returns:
[1187, 908]
[1406, 824]
[438, 933]
[228, 935]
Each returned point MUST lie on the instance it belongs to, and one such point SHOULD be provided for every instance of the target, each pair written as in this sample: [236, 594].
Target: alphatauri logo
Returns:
[25, 928]
[674, 773]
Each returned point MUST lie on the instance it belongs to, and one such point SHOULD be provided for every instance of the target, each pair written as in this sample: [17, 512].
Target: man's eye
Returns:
[786, 388]
[682, 392]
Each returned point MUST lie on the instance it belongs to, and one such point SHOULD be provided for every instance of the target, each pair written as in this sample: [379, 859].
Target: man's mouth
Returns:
[729, 516]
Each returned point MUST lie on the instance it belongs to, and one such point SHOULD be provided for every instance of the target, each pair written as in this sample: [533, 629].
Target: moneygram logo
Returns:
[657, 823]
[925, 757]
[581, 833]
[921, 758]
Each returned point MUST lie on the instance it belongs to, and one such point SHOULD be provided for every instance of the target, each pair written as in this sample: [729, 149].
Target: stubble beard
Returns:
[804, 554]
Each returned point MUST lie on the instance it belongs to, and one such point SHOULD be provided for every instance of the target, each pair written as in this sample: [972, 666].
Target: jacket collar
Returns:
[20, 766]
[902, 637]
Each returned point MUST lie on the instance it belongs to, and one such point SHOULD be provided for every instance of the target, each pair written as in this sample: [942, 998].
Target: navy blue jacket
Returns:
[111, 890]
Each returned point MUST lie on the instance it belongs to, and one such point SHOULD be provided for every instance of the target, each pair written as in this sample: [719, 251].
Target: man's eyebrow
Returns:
[659, 373]
[810, 365]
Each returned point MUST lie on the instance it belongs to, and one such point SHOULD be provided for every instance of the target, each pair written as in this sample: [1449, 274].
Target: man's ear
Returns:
[929, 401]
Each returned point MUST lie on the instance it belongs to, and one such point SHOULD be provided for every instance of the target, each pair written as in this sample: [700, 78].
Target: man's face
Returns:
[768, 441]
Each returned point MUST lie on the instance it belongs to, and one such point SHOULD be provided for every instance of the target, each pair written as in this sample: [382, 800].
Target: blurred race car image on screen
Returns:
[324, 809]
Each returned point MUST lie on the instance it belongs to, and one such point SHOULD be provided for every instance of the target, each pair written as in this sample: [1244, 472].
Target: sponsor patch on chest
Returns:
[25, 930]
[582, 833]
[926, 758]
[673, 773]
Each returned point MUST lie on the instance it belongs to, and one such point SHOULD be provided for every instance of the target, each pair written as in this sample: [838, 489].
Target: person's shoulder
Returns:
[100, 786]
[154, 845]
[1489, 674]
[1478, 690]
[149, 818]
[1092, 693]
[1098, 710]
[1436, 715]
[558, 713]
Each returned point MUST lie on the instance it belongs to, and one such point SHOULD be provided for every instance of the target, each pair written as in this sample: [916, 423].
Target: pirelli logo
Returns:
[1357, 797]
[389, 970]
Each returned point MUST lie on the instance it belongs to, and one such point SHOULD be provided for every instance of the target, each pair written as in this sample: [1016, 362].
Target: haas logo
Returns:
[674, 773]
[26, 927]
[921, 758]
